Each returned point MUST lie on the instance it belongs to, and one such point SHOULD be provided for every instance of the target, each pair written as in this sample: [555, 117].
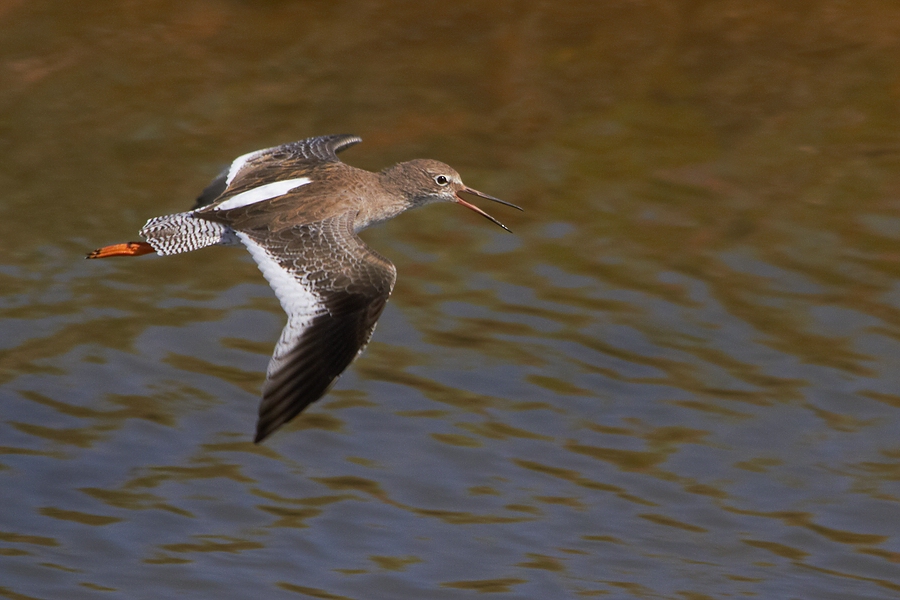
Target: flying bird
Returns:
[298, 209]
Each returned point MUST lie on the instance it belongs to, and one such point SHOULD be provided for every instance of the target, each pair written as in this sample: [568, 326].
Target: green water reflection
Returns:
[677, 379]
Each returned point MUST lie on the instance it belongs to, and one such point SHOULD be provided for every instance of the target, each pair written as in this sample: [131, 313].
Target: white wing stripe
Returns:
[263, 192]
[238, 164]
[297, 300]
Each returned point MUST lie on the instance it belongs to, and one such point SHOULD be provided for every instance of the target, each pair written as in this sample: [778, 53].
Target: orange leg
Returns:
[126, 249]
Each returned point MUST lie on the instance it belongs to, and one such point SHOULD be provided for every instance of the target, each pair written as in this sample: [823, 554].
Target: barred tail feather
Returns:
[183, 232]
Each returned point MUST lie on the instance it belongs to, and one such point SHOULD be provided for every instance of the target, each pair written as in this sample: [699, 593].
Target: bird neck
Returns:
[390, 201]
[395, 181]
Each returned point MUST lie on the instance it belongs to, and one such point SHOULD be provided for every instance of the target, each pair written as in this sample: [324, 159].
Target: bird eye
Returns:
[441, 180]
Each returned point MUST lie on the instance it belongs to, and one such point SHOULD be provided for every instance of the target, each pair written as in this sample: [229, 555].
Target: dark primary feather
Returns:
[311, 151]
[323, 148]
[215, 189]
[296, 208]
[326, 348]
[352, 282]
[332, 286]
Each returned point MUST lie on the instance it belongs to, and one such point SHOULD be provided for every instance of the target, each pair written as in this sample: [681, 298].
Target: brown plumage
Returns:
[297, 208]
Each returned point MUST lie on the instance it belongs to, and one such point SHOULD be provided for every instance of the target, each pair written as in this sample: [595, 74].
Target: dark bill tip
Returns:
[481, 212]
[468, 190]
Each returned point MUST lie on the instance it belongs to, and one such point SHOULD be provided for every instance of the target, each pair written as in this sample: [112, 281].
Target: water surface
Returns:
[677, 379]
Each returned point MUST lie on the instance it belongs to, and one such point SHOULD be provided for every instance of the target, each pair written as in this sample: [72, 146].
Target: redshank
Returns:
[297, 208]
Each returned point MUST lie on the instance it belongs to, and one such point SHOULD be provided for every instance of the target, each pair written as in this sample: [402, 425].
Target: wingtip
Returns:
[262, 433]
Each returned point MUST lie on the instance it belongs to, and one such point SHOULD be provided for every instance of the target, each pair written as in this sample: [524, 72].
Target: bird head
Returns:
[427, 181]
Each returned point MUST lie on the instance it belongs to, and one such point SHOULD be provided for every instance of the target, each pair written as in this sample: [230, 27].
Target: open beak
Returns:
[469, 190]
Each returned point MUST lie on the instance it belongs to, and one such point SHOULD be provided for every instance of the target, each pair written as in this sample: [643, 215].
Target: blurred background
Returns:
[678, 378]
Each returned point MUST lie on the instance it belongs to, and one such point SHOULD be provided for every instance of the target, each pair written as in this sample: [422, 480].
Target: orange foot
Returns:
[126, 249]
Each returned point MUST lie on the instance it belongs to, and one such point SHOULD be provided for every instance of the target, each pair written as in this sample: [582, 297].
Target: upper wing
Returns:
[304, 153]
[333, 289]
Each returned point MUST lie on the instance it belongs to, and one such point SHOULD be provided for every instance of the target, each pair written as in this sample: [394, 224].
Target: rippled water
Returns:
[677, 379]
